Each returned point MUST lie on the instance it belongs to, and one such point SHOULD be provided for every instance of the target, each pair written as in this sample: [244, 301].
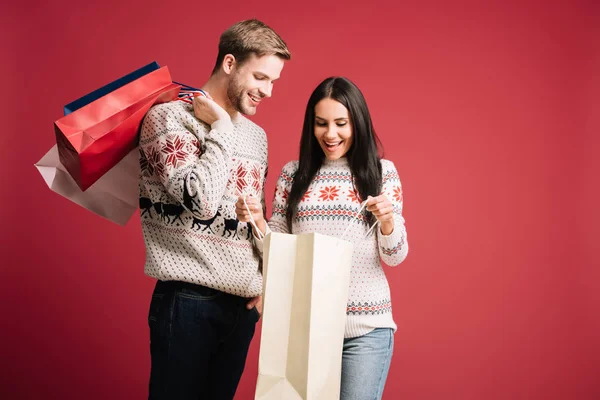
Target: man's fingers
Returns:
[253, 302]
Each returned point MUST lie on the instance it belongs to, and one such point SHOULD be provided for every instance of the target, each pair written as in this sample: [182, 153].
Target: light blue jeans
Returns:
[365, 364]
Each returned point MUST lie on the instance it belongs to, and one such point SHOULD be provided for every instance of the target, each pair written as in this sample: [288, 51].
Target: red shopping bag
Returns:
[93, 139]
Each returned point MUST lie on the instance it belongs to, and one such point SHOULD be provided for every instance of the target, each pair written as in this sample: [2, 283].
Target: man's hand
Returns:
[255, 301]
[206, 110]
[255, 208]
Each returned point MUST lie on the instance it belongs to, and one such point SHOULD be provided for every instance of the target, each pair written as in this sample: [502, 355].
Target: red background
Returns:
[489, 110]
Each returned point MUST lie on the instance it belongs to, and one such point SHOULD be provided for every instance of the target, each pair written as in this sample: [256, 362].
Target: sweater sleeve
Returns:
[393, 248]
[258, 242]
[194, 175]
[278, 223]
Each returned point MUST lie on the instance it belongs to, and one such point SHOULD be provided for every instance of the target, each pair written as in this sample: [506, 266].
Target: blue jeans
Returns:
[199, 339]
[365, 364]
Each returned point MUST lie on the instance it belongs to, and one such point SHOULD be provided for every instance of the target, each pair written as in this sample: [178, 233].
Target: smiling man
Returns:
[196, 160]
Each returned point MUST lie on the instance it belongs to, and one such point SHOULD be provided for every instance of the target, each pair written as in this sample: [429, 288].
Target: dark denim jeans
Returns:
[199, 339]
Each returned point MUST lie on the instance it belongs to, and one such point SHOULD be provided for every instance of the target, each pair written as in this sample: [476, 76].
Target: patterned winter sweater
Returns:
[191, 177]
[328, 207]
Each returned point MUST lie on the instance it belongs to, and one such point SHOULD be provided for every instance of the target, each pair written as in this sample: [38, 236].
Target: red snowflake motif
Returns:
[144, 166]
[306, 195]
[398, 194]
[155, 165]
[256, 178]
[285, 195]
[174, 149]
[354, 196]
[329, 193]
[240, 178]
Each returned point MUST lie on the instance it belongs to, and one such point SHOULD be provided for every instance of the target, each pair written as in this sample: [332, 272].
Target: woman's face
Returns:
[333, 129]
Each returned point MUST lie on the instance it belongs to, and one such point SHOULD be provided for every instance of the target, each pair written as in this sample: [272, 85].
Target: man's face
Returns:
[253, 81]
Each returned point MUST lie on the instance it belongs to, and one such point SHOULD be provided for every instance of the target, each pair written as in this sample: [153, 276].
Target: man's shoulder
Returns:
[170, 110]
[175, 115]
[247, 124]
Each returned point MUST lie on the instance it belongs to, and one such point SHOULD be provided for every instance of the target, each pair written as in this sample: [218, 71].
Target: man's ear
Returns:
[228, 63]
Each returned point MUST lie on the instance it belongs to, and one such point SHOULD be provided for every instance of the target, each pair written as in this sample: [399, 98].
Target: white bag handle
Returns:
[364, 203]
[260, 235]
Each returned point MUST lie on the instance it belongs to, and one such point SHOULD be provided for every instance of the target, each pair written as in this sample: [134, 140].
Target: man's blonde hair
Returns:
[250, 37]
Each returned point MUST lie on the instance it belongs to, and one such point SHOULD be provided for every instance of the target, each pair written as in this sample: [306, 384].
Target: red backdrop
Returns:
[489, 110]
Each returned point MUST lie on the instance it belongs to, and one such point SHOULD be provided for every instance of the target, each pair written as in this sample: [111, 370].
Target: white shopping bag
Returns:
[114, 196]
[305, 282]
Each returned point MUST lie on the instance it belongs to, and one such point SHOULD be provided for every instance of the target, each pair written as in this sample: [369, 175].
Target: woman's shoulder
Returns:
[387, 165]
[290, 168]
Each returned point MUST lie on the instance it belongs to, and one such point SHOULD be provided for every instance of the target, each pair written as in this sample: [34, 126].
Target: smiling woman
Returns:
[338, 126]
[339, 174]
[333, 129]
[340, 164]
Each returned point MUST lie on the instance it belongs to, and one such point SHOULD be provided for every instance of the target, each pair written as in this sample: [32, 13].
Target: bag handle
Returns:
[363, 205]
[187, 95]
[261, 236]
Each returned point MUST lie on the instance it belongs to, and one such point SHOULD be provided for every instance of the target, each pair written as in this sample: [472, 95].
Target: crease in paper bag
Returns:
[115, 196]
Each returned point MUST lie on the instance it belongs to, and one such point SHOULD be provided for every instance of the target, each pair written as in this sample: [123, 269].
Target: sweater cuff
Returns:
[222, 125]
[391, 240]
[222, 134]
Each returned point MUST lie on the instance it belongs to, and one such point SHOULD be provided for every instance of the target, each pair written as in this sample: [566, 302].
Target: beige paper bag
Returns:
[115, 196]
[305, 282]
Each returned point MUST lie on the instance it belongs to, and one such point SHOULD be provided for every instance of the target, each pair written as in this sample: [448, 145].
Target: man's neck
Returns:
[216, 87]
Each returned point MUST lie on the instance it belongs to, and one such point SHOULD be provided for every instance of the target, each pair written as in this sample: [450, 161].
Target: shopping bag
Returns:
[94, 138]
[305, 293]
[115, 196]
[106, 89]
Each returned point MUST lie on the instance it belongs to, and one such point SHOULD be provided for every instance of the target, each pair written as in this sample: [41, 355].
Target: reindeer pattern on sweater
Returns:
[191, 177]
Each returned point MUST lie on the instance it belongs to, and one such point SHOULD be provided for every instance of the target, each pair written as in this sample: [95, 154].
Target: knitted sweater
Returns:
[328, 207]
[191, 177]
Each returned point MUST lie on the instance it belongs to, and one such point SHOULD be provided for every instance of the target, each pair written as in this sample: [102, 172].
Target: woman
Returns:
[338, 168]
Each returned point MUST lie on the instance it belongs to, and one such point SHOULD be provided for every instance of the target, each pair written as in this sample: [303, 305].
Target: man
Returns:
[196, 161]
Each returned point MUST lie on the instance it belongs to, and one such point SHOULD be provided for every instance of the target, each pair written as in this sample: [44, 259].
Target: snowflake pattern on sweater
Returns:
[191, 176]
[329, 206]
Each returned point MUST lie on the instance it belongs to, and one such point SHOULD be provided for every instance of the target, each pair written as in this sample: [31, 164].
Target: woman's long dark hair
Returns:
[363, 156]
